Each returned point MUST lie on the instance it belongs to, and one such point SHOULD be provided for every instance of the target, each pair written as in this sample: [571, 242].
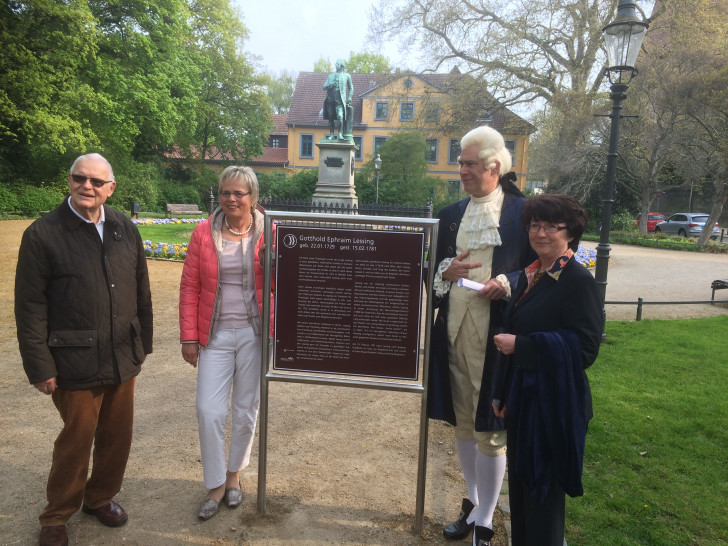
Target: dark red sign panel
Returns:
[348, 301]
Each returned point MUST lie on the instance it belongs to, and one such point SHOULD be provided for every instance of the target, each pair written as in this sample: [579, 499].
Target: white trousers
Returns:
[230, 362]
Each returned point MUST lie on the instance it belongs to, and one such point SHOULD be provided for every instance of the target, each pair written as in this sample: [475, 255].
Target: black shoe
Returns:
[460, 528]
[482, 536]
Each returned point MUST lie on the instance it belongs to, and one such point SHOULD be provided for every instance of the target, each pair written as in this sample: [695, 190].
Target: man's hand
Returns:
[190, 352]
[459, 269]
[493, 290]
[46, 387]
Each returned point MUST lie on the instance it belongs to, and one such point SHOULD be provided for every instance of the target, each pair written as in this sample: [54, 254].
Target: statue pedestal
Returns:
[335, 186]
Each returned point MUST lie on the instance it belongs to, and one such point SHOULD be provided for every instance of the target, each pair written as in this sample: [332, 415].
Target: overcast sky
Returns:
[293, 34]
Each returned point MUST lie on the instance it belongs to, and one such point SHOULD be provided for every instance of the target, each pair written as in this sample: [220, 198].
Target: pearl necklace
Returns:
[239, 233]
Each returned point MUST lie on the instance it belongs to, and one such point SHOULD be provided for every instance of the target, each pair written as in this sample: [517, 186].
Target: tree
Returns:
[323, 65]
[233, 113]
[46, 45]
[145, 74]
[280, 90]
[403, 177]
[531, 52]
[367, 63]
[702, 94]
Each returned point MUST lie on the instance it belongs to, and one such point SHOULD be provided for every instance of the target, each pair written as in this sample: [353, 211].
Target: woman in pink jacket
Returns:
[220, 310]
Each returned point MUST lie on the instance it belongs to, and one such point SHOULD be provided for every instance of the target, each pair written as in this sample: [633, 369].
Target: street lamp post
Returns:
[623, 40]
[377, 168]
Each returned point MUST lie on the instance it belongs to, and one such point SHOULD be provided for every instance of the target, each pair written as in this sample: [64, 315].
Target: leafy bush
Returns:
[8, 199]
[33, 200]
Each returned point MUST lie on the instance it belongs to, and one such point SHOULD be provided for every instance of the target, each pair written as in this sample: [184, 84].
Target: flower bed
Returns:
[586, 256]
[168, 251]
[152, 221]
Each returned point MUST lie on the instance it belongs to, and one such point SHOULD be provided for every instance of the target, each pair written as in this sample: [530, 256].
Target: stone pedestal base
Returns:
[335, 186]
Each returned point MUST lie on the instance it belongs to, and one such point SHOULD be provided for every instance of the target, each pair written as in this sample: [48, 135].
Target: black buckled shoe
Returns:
[482, 536]
[461, 528]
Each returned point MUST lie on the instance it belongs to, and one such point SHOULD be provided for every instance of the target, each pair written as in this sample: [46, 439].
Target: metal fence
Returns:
[371, 209]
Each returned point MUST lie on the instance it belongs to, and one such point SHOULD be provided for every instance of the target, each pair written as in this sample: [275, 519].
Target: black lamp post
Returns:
[623, 40]
[377, 168]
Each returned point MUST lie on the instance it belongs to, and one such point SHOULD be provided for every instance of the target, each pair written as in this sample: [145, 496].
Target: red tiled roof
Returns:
[279, 120]
[308, 98]
[271, 157]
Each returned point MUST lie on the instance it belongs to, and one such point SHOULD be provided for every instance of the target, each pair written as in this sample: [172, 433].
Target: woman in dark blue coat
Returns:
[554, 323]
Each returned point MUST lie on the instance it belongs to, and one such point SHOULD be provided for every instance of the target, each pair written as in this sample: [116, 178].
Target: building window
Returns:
[359, 141]
[511, 147]
[432, 113]
[484, 115]
[453, 188]
[306, 147]
[431, 150]
[407, 111]
[378, 141]
[381, 111]
[408, 83]
[275, 142]
[454, 151]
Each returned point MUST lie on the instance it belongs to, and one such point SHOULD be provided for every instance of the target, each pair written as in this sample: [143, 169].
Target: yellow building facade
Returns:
[442, 107]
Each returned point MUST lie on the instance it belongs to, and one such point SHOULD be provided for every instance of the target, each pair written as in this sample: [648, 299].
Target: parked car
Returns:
[652, 220]
[686, 224]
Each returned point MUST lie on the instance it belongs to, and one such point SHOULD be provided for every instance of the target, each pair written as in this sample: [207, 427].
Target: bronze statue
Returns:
[337, 105]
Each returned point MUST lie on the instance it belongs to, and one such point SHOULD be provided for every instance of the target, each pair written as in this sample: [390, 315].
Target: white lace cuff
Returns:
[442, 286]
[505, 284]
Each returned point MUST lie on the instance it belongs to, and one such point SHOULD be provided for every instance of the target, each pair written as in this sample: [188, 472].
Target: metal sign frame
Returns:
[338, 221]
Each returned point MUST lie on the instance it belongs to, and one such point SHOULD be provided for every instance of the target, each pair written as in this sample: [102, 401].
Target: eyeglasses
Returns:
[547, 228]
[95, 182]
[235, 194]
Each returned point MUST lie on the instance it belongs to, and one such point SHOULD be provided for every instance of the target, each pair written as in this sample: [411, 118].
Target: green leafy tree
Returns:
[232, 112]
[280, 90]
[403, 178]
[145, 75]
[299, 186]
[323, 65]
[367, 63]
[45, 45]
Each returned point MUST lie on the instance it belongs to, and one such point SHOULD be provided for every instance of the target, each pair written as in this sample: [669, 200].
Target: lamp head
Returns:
[623, 39]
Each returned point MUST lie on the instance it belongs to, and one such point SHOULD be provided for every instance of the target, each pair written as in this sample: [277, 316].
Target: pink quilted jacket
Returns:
[198, 287]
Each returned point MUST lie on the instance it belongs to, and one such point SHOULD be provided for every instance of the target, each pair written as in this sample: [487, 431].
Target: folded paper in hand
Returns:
[471, 285]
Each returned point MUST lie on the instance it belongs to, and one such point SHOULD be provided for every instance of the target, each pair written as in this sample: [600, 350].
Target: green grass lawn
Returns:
[167, 233]
[656, 461]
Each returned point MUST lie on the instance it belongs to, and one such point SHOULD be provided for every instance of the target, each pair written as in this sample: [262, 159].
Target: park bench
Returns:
[176, 208]
[718, 285]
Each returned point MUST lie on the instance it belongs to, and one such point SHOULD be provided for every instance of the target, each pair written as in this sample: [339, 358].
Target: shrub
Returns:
[8, 199]
[33, 200]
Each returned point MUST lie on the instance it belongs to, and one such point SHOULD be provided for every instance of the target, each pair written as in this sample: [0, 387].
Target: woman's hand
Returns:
[499, 412]
[190, 352]
[505, 343]
[493, 290]
[459, 269]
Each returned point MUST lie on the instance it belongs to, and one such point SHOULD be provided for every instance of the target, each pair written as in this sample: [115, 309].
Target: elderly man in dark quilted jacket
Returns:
[83, 310]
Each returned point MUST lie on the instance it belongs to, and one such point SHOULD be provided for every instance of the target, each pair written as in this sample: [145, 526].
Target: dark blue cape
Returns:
[548, 406]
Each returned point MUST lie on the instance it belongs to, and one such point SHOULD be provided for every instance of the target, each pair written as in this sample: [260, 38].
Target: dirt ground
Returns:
[342, 462]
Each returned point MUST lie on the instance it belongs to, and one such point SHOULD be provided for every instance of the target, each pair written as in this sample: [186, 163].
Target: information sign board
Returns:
[348, 301]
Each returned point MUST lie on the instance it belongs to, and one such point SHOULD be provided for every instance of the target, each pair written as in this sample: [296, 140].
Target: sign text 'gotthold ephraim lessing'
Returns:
[348, 302]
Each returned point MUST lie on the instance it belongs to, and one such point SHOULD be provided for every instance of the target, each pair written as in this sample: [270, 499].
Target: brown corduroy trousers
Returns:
[102, 417]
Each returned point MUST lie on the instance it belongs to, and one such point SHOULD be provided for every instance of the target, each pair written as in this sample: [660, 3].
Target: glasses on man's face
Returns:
[233, 194]
[547, 228]
[95, 182]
